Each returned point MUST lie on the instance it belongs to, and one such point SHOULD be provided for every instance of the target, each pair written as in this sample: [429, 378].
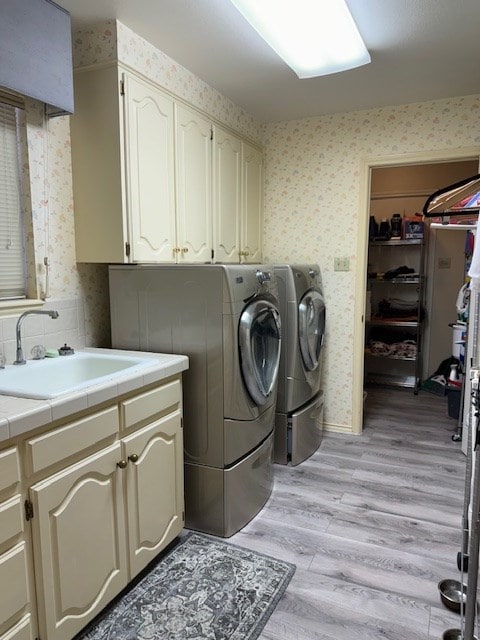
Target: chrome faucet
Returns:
[53, 314]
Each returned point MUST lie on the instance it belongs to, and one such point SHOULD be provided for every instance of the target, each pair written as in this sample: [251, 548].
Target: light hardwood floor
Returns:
[372, 522]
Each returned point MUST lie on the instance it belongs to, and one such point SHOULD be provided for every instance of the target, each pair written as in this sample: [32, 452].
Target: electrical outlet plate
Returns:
[341, 264]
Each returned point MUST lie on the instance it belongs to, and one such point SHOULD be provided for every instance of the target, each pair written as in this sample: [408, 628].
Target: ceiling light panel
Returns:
[314, 37]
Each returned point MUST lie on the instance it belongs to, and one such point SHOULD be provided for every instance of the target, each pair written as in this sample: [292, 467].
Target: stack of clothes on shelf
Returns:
[396, 309]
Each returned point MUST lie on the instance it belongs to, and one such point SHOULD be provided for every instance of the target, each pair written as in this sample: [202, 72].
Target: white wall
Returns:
[446, 276]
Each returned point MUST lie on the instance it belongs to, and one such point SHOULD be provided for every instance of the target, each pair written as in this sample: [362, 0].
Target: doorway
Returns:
[406, 182]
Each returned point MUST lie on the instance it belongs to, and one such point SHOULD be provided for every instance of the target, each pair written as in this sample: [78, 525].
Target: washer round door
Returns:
[311, 328]
[259, 343]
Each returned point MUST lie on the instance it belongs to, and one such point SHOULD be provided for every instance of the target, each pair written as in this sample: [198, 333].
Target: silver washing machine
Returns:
[225, 318]
[299, 412]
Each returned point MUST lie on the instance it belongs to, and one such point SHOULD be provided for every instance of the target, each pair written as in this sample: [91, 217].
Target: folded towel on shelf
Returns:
[403, 349]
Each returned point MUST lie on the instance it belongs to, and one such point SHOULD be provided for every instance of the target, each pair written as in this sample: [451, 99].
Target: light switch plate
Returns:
[444, 263]
[341, 264]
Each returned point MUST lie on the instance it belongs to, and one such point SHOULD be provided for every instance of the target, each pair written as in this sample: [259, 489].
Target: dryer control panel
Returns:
[263, 276]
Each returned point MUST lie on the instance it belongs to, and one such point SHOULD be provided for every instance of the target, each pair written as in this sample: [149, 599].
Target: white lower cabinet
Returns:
[21, 631]
[15, 598]
[98, 515]
[16, 574]
[79, 542]
[154, 489]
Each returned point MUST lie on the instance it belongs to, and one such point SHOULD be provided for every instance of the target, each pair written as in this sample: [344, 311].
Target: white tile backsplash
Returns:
[68, 328]
[66, 321]
[81, 319]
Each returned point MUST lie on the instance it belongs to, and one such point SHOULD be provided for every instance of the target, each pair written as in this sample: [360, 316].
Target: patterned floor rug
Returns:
[203, 588]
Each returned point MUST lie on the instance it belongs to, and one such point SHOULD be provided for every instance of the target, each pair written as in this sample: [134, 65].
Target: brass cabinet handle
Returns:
[176, 249]
[122, 464]
[184, 250]
[133, 457]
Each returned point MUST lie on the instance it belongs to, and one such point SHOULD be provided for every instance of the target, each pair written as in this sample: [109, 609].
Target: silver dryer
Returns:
[299, 412]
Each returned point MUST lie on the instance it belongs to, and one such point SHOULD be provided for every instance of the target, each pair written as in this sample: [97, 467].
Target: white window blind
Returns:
[12, 253]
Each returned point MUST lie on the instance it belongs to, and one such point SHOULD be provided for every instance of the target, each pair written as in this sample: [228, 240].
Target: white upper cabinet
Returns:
[149, 182]
[252, 205]
[98, 166]
[238, 204]
[149, 163]
[123, 168]
[194, 185]
[227, 195]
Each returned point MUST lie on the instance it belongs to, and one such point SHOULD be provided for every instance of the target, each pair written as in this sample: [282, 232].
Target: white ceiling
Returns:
[421, 50]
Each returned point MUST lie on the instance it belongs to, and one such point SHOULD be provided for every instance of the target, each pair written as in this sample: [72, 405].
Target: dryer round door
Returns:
[259, 344]
[311, 328]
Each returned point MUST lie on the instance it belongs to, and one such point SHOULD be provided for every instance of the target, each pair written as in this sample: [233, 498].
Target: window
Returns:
[12, 246]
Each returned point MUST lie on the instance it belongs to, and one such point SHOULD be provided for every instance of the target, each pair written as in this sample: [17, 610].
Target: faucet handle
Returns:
[66, 350]
[38, 352]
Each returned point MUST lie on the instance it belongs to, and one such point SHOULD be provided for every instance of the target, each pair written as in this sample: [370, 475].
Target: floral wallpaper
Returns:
[312, 190]
[113, 40]
[312, 187]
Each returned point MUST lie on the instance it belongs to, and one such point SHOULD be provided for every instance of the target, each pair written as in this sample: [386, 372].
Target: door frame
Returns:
[367, 164]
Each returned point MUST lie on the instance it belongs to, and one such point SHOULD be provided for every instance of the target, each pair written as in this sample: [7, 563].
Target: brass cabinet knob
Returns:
[246, 253]
[185, 250]
[122, 464]
[176, 249]
[133, 457]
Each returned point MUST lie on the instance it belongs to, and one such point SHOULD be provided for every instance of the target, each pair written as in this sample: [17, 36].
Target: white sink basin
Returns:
[49, 378]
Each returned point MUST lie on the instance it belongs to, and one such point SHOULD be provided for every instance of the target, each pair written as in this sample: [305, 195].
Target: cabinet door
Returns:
[154, 488]
[21, 631]
[98, 166]
[227, 196]
[14, 583]
[149, 164]
[79, 542]
[252, 214]
[194, 185]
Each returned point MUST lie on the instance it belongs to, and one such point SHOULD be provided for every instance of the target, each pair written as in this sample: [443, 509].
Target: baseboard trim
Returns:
[337, 428]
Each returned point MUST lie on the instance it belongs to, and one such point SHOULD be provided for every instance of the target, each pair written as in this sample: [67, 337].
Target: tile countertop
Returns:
[19, 415]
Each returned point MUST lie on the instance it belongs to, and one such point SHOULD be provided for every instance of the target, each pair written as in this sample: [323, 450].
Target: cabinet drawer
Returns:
[61, 443]
[13, 581]
[11, 518]
[146, 405]
[9, 468]
[21, 631]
